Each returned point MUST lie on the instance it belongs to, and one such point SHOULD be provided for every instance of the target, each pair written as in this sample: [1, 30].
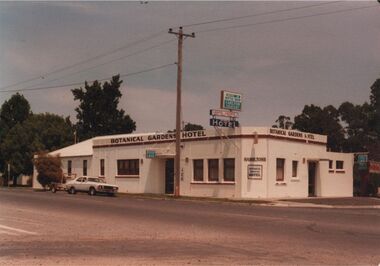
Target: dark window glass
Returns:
[198, 170]
[213, 170]
[280, 167]
[330, 164]
[339, 164]
[128, 167]
[101, 167]
[294, 168]
[229, 169]
[84, 167]
[69, 167]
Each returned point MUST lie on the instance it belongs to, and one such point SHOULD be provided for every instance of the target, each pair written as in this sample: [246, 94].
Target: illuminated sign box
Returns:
[231, 101]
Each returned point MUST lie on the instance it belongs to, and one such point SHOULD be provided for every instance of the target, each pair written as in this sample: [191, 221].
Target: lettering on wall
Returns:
[289, 133]
[157, 137]
[255, 159]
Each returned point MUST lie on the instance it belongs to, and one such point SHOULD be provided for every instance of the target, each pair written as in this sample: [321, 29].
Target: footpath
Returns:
[338, 203]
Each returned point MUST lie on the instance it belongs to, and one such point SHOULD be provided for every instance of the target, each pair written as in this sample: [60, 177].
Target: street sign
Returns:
[215, 122]
[150, 154]
[374, 167]
[362, 160]
[230, 101]
[225, 113]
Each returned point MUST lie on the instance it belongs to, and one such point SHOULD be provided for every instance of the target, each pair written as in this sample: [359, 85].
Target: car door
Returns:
[84, 185]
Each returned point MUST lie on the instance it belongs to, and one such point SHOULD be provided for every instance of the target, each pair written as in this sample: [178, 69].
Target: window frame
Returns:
[196, 171]
[69, 167]
[127, 170]
[209, 169]
[225, 179]
[102, 167]
[338, 166]
[295, 169]
[283, 169]
[84, 169]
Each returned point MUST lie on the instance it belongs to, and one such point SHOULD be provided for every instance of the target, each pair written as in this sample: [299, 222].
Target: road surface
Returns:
[42, 228]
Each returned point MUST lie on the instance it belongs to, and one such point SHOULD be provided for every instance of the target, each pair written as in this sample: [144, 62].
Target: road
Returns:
[42, 228]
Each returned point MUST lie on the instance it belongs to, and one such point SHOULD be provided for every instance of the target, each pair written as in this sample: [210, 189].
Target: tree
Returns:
[283, 122]
[12, 112]
[321, 121]
[38, 133]
[189, 127]
[357, 126]
[98, 112]
[192, 127]
[375, 104]
[49, 168]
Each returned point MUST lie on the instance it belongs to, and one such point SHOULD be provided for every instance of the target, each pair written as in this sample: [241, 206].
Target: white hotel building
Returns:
[240, 163]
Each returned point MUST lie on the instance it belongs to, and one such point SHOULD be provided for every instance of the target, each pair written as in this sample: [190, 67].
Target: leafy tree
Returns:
[283, 122]
[98, 112]
[324, 121]
[356, 119]
[39, 132]
[12, 112]
[49, 168]
[375, 104]
[192, 127]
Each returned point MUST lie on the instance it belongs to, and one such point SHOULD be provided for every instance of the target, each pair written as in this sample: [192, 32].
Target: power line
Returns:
[103, 79]
[287, 19]
[259, 14]
[111, 61]
[86, 61]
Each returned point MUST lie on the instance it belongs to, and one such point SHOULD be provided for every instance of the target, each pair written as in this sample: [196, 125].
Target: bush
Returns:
[49, 169]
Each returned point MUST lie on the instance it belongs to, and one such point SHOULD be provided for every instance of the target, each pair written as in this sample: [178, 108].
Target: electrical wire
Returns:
[87, 60]
[110, 61]
[287, 19]
[103, 79]
[259, 14]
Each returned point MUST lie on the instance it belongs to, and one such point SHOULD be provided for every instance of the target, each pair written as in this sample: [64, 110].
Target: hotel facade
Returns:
[238, 163]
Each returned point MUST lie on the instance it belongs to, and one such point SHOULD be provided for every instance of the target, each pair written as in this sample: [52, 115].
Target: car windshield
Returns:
[93, 179]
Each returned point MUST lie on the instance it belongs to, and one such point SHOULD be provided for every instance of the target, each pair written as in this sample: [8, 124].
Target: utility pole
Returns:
[177, 161]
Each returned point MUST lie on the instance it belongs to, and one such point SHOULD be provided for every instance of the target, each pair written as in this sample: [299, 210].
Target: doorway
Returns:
[312, 167]
[169, 176]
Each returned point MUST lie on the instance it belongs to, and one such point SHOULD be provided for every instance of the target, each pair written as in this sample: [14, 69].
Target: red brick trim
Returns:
[127, 176]
[241, 136]
[212, 183]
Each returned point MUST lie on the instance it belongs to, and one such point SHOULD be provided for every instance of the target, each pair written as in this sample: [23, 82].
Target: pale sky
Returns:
[278, 67]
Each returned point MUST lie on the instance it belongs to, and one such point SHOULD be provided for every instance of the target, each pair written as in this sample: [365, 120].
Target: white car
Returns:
[92, 185]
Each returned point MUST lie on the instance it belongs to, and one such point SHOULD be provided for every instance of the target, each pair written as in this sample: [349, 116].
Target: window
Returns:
[101, 167]
[339, 164]
[69, 166]
[229, 170]
[280, 169]
[294, 168]
[84, 167]
[213, 170]
[331, 162]
[128, 167]
[198, 170]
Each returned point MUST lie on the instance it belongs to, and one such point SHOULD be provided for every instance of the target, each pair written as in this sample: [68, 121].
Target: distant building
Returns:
[246, 162]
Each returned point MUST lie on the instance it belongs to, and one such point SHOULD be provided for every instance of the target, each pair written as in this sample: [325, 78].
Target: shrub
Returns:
[49, 169]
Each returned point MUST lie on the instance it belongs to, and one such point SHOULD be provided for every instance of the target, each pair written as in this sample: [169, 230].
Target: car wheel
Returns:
[72, 190]
[53, 189]
[92, 191]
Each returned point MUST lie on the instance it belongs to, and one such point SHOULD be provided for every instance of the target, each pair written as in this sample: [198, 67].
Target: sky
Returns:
[278, 60]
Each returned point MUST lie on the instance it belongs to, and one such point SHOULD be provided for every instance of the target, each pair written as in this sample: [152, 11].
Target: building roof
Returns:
[83, 148]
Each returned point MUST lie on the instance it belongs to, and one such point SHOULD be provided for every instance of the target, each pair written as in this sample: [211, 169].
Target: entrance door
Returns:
[169, 176]
[312, 166]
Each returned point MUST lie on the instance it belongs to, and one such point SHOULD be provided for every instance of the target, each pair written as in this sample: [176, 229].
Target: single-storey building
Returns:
[240, 163]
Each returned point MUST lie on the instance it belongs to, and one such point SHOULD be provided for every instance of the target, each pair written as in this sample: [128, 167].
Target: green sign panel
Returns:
[150, 154]
[231, 101]
[362, 161]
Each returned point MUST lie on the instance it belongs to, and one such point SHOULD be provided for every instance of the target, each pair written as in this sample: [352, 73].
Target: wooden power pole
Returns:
[177, 161]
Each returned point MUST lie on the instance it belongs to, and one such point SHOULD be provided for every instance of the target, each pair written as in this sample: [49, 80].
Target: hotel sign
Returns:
[230, 101]
[224, 113]
[255, 171]
[215, 122]
[297, 135]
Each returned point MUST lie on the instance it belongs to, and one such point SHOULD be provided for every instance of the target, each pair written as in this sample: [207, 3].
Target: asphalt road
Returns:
[41, 228]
